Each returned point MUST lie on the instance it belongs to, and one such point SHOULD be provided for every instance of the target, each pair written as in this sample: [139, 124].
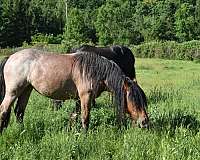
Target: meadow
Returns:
[172, 88]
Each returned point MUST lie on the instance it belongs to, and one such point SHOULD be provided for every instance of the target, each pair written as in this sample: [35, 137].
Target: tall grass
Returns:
[172, 88]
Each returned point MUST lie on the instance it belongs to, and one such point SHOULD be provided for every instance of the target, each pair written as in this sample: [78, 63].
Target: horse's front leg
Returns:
[86, 99]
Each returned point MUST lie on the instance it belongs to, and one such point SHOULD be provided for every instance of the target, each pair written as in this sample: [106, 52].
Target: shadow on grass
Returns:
[171, 121]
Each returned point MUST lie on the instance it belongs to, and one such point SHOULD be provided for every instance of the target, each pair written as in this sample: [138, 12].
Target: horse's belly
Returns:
[67, 91]
[61, 91]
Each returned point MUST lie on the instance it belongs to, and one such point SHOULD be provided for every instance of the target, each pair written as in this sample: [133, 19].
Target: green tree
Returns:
[87, 11]
[48, 16]
[15, 23]
[185, 22]
[20, 19]
[75, 30]
[164, 28]
[197, 19]
[116, 23]
[85, 4]
[1, 10]
[158, 20]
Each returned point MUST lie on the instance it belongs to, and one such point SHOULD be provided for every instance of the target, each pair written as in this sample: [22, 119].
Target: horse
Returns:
[121, 55]
[67, 76]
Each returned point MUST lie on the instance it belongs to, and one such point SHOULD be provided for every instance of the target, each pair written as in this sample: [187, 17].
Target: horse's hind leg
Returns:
[21, 104]
[5, 110]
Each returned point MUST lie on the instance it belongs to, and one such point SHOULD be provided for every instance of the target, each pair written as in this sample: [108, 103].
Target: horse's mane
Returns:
[97, 68]
[138, 95]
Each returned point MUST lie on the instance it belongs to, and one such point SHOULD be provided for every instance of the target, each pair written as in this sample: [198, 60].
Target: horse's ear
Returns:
[127, 83]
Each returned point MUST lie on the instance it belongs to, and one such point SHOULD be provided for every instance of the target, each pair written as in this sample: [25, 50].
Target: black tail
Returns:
[2, 81]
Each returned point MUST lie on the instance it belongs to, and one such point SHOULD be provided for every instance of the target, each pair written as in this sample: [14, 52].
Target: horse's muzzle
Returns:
[143, 123]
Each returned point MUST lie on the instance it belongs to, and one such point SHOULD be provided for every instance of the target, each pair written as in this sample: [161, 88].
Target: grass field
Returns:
[172, 88]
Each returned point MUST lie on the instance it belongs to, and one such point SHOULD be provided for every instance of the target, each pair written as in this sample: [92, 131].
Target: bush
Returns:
[169, 50]
[7, 51]
[46, 38]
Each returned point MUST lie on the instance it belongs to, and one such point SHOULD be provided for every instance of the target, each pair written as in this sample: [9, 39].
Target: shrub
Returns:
[169, 50]
[46, 38]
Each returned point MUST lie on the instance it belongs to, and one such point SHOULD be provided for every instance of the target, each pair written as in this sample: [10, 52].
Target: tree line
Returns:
[103, 22]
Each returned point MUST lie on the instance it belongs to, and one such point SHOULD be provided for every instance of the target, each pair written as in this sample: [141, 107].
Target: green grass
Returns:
[172, 88]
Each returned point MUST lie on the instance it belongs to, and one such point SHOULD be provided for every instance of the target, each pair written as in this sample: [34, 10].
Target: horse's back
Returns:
[49, 74]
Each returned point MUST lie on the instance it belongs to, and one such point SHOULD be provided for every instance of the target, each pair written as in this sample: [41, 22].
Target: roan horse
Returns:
[121, 55]
[76, 75]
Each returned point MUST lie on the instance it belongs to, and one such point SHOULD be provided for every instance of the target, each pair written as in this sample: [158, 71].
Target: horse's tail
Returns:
[2, 80]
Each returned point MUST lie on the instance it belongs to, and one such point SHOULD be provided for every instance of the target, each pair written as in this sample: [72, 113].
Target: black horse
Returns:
[121, 55]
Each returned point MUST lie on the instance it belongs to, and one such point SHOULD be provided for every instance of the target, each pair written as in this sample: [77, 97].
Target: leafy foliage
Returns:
[169, 50]
[103, 22]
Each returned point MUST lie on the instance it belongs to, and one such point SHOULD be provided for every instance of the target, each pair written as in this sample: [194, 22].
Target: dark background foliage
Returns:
[101, 22]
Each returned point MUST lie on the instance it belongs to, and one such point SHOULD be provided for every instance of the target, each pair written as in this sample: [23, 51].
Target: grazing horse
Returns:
[121, 55]
[63, 77]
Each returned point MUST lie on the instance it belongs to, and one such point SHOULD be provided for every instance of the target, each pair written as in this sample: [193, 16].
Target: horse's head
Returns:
[136, 103]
